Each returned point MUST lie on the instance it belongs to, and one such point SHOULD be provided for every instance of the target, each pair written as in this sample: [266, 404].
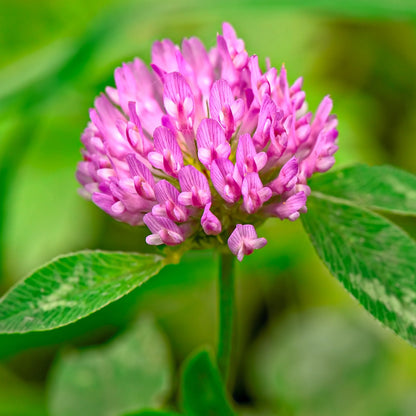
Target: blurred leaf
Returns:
[373, 258]
[378, 187]
[314, 362]
[203, 393]
[43, 63]
[43, 174]
[12, 389]
[53, 200]
[72, 287]
[21, 403]
[62, 61]
[256, 411]
[355, 8]
[131, 372]
[152, 413]
[9, 159]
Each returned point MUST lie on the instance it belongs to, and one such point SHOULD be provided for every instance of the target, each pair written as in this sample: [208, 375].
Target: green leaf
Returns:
[72, 287]
[134, 371]
[203, 393]
[379, 187]
[373, 258]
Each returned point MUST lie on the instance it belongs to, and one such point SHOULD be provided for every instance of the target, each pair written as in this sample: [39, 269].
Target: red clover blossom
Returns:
[204, 146]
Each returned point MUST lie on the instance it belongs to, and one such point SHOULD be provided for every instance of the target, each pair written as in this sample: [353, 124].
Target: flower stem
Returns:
[226, 313]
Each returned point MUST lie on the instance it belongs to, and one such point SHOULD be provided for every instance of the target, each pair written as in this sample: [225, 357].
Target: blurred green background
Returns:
[304, 346]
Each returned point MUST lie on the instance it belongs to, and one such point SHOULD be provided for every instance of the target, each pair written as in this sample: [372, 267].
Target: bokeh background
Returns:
[304, 346]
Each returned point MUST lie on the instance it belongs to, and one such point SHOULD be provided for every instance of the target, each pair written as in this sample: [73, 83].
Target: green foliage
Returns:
[12, 389]
[133, 371]
[383, 188]
[203, 393]
[373, 258]
[66, 54]
[151, 413]
[72, 287]
[360, 8]
[313, 362]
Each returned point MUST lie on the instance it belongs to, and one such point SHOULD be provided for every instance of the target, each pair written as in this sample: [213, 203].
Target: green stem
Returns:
[226, 312]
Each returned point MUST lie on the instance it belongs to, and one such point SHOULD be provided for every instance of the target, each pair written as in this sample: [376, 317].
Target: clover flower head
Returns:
[203, 146]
